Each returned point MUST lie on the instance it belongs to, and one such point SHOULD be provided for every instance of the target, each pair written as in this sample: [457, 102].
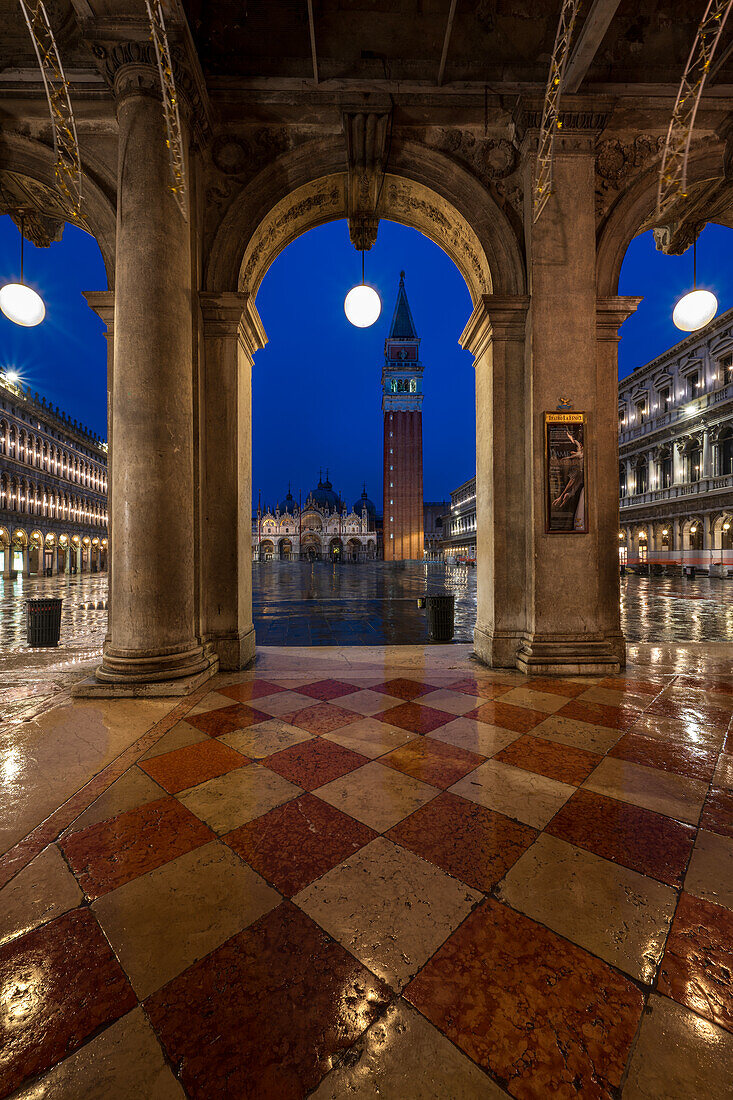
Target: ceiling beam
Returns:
[446, 40]
[590, 37]
[312, 29]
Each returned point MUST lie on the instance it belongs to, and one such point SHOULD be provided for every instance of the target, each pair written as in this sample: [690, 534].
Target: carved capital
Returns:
[611, 313]
[233, 315]
[366, 151]
[495, 318]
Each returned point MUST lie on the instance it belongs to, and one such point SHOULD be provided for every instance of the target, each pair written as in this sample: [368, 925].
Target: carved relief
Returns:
[617, 161]
[290, 217]
[453, 236]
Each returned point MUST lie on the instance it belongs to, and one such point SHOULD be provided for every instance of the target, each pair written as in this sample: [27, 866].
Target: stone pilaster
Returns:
[495, 335]
[573, 587]
[232, 332]
[103, 304]
[152, 643]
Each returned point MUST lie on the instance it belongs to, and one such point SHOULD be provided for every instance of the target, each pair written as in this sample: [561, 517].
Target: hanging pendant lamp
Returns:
[362, 304]
[19, 302]
[696, 308]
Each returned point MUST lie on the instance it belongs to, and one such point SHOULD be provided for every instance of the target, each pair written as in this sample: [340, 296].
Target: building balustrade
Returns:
[685, 489]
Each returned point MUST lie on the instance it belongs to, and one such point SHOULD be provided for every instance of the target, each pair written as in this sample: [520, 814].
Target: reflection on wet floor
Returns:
[374, 603]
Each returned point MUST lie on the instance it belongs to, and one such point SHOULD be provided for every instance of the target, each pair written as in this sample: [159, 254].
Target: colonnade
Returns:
[180, 430]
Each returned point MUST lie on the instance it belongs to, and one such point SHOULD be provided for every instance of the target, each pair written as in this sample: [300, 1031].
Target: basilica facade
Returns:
[321, 529]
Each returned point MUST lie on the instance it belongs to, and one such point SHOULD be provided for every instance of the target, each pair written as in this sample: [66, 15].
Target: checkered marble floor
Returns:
[414, 885]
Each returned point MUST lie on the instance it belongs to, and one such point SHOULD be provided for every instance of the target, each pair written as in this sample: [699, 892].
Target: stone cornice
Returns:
[233, 314]
[611, 313]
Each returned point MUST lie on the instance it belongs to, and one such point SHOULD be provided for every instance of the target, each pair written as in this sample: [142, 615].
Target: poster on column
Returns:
[565, 473]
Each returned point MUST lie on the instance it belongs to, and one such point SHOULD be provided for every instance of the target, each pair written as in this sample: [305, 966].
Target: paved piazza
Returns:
[374, 872]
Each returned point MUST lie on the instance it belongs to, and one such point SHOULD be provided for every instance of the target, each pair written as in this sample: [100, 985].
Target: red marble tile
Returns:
[326, 689]
[545, 1016]
[646, 842]
[697, 966]
[194, 764]
[433, 761]
[415, 718]
[486, 689]
[226, 719]
[717, 813]
[727, 746]
[569, 688]
[561, 762]
[614, 718]
[694, 761]
[321, 718]
[295, 844]
[58, 985]
[403, 688]
[110, 853]
[471, 842]
[265, 1015]
[251, 689]
[717, 687]
[519, 719]
[313, 763]
[693, 711]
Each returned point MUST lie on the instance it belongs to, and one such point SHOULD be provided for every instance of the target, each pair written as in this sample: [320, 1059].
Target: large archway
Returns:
[456, 213]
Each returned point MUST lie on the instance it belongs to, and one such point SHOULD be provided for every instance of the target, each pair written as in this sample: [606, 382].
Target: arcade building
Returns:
[53, 489]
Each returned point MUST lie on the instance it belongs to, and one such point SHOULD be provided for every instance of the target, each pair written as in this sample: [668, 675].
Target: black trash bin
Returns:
[440, 618]
[43, 622]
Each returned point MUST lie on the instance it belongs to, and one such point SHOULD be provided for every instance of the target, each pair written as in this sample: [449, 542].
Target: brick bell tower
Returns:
[402, 407]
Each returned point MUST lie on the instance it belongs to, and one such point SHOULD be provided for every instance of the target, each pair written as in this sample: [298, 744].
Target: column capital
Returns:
[233, 314]
[103, 304]
[495, 317]
[611, 313]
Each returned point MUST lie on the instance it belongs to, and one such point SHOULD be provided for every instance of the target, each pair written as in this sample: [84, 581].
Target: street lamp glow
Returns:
[22, 305]
[362, 306]
[695, 310]
[13, 377]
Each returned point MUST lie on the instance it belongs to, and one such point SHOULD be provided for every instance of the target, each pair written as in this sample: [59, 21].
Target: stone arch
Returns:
[632, 210]
[423, 189]
[35, 160]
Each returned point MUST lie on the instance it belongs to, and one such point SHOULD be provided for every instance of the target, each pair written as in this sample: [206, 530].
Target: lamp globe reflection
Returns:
[362, 306]
[695, 310]
[22, 305]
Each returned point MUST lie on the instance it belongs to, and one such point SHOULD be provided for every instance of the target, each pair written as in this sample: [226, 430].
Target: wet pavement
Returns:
[374, 872]
[372, 603]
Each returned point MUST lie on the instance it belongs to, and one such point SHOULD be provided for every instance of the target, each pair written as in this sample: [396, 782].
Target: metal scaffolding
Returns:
[673, 171]
[67, 170]
[174, 136]
[551, 121]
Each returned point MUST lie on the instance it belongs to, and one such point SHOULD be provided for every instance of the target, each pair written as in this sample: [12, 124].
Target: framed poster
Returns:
[565, 473]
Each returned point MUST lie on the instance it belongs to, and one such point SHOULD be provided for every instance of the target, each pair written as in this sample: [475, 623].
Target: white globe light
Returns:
[695, 310]
[22, 305]
[362, 305]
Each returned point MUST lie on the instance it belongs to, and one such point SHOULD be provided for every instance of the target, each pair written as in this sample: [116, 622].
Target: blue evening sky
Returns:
[316, 386]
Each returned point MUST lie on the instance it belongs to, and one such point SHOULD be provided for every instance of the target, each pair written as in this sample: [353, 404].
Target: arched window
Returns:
[642, 476]
[694, 463]
[3, 437]
[22, 440]
[3, 491]
[11, 441]
[726, 451]
[622, 479]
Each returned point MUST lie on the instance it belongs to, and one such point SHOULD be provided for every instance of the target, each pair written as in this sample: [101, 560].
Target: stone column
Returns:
[573, 595]
[152, 630]
[495, 335]
[26, 561]
[232, 333]
[706, 469]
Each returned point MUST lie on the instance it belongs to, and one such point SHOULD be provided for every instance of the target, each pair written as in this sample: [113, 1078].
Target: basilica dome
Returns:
[287, 505]
[365, 502]
[325, 496]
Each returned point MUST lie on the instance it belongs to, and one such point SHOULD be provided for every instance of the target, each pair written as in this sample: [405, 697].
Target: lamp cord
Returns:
[22, 239]
[362, 267]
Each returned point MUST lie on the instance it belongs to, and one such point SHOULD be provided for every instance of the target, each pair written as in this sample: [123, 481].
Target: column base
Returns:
[125, 675]
[497, 649]
[235, 651]
[569, 657]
